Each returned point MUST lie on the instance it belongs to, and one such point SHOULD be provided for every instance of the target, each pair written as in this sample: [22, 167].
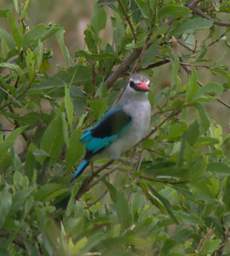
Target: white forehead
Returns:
[139, 78]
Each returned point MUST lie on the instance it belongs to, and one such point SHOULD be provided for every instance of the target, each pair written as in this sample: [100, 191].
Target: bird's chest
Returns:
[140, 114]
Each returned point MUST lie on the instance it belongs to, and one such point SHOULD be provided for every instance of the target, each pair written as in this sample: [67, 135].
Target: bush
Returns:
[170, 194]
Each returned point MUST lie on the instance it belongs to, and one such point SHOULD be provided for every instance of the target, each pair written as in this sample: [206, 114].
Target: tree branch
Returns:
[85, 185]
[200, 13]
[193, 3]
[127, 19]
[156, 64]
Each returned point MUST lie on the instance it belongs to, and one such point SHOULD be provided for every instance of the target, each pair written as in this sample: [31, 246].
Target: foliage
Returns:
[172, 198]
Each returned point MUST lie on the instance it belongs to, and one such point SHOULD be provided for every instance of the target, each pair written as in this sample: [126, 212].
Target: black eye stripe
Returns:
[131, 84]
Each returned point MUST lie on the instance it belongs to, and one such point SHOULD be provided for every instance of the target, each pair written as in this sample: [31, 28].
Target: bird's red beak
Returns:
[143, 86]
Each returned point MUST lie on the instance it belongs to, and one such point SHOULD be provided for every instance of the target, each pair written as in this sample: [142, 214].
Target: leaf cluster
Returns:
[170, 194]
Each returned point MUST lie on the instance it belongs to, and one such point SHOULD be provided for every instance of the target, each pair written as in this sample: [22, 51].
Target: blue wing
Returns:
[106, 131]
[102, 135]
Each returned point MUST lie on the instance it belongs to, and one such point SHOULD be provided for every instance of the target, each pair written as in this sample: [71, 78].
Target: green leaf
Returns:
[226, 197]
[13, 67]
[219, 168]
[98, 21]
[30, 60]
[16, 5]
[4, 13]
[16, 28]
[65, 51]
[50, 191]
[204, 119]
[225, 6]
[8, 142]
[53, 139]
[24, 11]
[121, 205]
[69, 106]
[118, 31]
[20, 180]
[144, 8]
[91, 40]
[39, 33]
[8, 38]
[71, 76]
[5, 205]
[211, 89]
[192, 134]
[175, 130]
[98, 107]
[192, 87]
[210, 246]
[173, 10]
[154, 195]
[75, 149]
[192, 25]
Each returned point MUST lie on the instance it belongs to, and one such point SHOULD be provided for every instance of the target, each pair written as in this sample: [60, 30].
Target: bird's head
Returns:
[139, 83]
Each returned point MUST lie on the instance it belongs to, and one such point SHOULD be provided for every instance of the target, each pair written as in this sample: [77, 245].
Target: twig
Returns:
[186, 46]
[173, 182]
[23, 93]
[154, 130]
[98, 199]
[6, 130]
[218, 39]
[156, 64]
[127, 19]
[195, 65]
[102, 177]
[200, 13]
[13, 99]
[85, 185]
[223, 103]
[193, 3]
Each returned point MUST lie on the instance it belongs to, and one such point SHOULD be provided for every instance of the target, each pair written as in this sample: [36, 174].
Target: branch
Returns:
[129, 61]
[186, 46]
[217, 39]
[200, 13]
[98, 199]
[85, 185]
[144, 48]
[162, 180]
[156, 64]
[193, 3]
[223, 103]
[127, 19]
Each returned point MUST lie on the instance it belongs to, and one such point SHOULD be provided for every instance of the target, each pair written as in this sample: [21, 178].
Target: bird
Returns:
[121, 127]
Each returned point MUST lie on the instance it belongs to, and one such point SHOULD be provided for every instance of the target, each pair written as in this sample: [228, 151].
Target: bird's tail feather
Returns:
[80, 168]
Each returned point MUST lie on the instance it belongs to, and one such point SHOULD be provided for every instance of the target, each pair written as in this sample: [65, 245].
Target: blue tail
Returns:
[80, 168]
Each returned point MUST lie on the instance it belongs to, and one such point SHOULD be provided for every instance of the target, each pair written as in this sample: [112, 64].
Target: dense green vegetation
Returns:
[168, 196]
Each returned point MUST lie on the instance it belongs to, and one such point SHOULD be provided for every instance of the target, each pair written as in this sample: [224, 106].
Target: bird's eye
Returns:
[131, 84]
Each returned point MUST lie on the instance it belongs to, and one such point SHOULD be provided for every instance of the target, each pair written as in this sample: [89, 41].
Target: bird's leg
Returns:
[92, 168]
[138, 163]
